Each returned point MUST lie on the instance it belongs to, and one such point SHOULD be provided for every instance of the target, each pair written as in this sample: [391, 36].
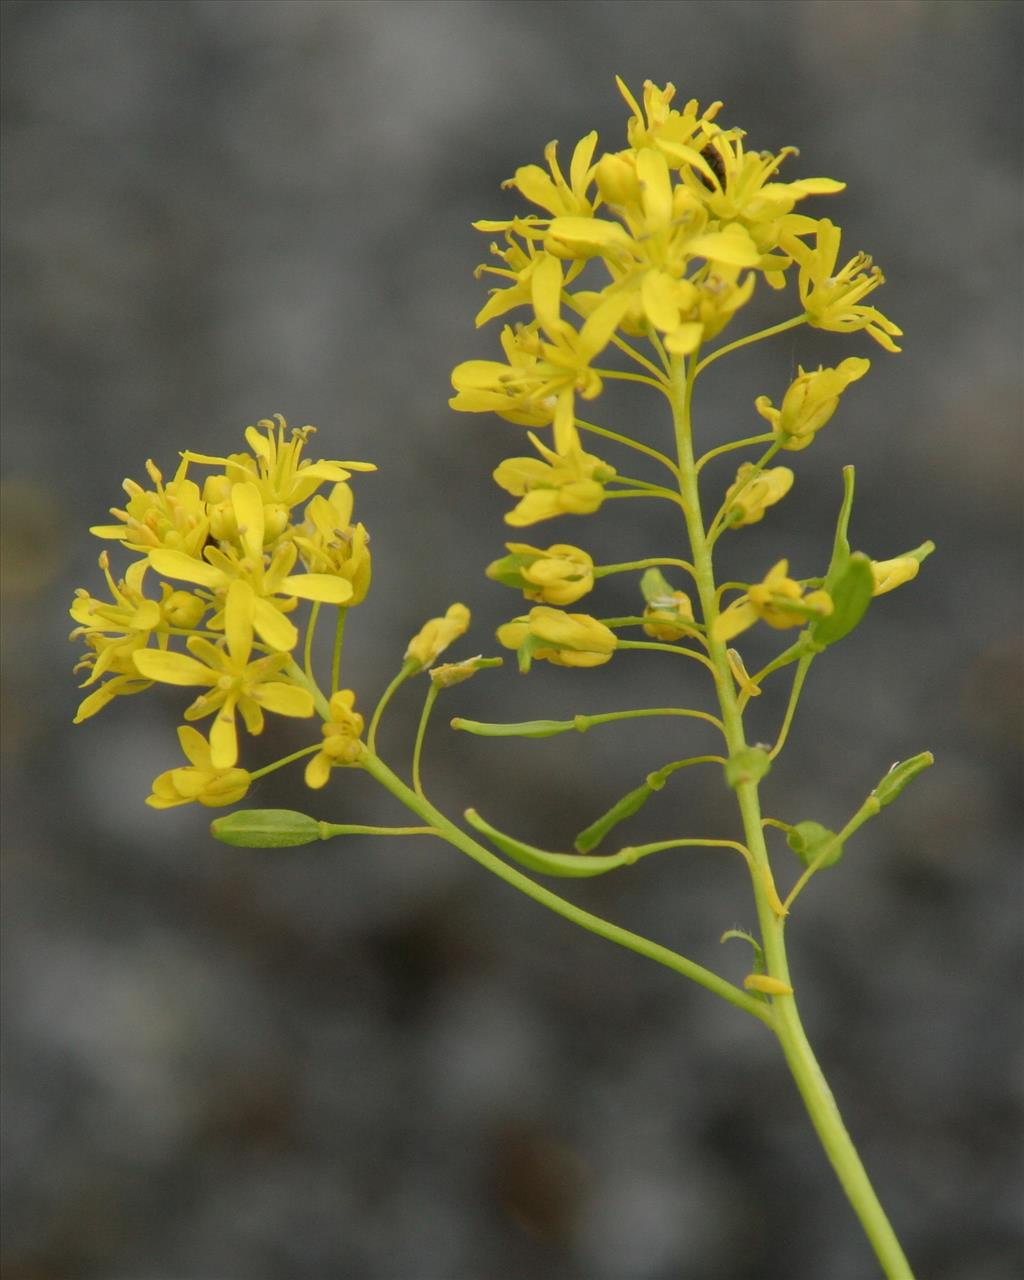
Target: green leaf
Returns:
[267, 829]
[809, 840]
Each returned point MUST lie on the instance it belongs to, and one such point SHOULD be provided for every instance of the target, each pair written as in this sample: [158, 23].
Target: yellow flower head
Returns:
[199, 780]
[342, 746]
[778, 600]
[564, 639]
[436, 635]
[753, 492]
[560, 575]
[810, 401]
[283, 478]
[562, 484]
[273, 585]
[233, 683]
[671, 617]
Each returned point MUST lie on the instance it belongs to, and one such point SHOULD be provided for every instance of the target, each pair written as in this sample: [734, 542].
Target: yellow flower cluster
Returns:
[681, 225]
[249, 543]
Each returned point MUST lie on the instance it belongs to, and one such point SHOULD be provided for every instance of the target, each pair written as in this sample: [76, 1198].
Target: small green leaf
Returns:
[267, 829]
[809, 840]
[749, 765]
[899, 776]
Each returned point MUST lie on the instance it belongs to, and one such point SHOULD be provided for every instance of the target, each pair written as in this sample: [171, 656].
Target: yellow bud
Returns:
[183, 609]
[436, 635]
[752, 493]
[890, 574]
[669, 616]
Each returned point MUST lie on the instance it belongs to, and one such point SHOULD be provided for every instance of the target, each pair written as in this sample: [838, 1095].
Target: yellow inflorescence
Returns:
[220, 567]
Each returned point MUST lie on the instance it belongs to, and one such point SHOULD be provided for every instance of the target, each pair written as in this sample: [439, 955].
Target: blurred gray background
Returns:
[368, 1060]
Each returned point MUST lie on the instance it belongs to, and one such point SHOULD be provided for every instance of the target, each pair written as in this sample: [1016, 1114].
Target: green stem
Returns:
[744, 342]
[602, 570]
[628, 443]
[307, 651]
[408, 667]
[339, 638]
[785, 1020]
[594, 924]
[421, 733]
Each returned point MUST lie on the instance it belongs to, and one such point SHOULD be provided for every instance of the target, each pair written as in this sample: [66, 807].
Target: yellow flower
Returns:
[115, 631]
[550, 190]
[329, 543]
[436, 635]
[488, 386]
[810, 401]
[890, 574]
[670, 617]
[283, 478]
[520, 263]
[833, 301]
[660, 125]
[736, 186]
[341, 740]
[560, 575]
[267, 576]
[234, 683]
[752, 492]
[551, 369]
[565, 639]
[778, 600]
[562, 484]
[199, 780]
[171, 515]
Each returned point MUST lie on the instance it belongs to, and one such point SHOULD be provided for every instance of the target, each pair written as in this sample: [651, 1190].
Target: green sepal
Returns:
[899, 776]
[540, 860]
[267, 829]
[630, 803]
[809, 840]
[655, 586]
[749, 765]
[851, 592]
[507, 570]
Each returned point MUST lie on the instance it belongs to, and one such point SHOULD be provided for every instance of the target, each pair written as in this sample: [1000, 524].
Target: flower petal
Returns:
[172, 668]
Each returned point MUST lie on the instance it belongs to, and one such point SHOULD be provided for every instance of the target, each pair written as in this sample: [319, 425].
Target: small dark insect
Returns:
[715, 164]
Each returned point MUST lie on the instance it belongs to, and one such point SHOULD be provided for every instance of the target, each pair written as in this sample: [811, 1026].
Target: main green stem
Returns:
[785, 1021]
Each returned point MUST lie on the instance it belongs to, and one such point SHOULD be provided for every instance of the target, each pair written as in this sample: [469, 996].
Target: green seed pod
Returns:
[267, 829]
[899, 775]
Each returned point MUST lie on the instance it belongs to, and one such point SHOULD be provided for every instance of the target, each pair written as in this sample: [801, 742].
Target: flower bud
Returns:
[812, 398]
